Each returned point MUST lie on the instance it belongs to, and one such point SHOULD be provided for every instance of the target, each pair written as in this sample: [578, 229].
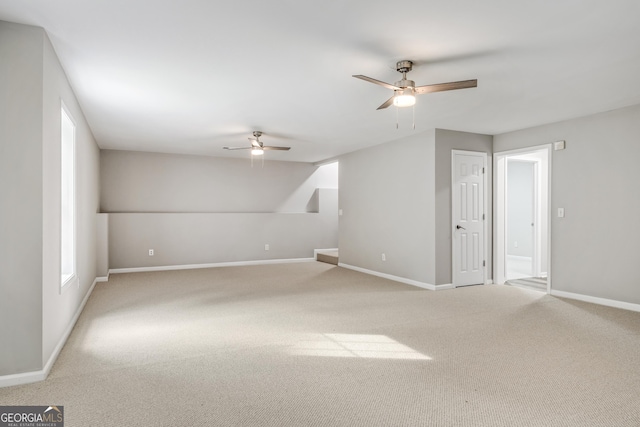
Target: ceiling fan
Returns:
[257, 147]
[404, 91]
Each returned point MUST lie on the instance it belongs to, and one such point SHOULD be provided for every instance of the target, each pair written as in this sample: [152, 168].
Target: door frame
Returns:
[485, 226]
[500, 216]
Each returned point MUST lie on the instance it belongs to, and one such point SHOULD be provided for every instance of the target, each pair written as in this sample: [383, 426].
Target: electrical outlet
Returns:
[151, 252]
[515, 244]
[384, 257]
[266, 247]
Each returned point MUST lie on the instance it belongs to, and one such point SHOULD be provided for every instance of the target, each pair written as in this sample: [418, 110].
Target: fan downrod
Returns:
[404, 67]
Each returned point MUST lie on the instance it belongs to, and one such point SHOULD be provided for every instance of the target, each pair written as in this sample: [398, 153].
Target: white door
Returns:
[468, 220]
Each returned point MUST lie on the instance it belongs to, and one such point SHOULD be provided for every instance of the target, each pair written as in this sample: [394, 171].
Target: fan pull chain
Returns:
[414, 117]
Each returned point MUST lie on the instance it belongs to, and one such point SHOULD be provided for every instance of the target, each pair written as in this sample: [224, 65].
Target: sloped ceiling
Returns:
[196, 75]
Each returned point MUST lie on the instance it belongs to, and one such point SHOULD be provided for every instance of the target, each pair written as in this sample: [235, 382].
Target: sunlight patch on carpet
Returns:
[355, 345]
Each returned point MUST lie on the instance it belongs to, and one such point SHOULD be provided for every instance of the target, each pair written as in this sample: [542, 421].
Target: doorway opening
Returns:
[327, 181]
[522, 229]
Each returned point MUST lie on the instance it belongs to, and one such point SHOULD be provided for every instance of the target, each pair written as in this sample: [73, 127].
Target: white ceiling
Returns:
[196, 75]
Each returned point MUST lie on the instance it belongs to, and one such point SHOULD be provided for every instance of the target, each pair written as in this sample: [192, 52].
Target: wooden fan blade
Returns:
[386, 103]
[465, 84]
[237, 148]
[378, 82]
[268, 147]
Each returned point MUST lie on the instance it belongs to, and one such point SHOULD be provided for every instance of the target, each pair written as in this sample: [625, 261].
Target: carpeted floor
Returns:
[311, 344]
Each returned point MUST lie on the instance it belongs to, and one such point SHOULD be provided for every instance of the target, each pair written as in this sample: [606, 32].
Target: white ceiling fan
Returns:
[405, 91]
[257, 147]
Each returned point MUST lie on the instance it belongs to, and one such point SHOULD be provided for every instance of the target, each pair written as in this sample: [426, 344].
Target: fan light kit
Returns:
[257, 147]
[404, 98]
[405, 91]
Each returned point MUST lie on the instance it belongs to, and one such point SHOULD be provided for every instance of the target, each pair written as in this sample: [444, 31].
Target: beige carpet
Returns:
[311, 344]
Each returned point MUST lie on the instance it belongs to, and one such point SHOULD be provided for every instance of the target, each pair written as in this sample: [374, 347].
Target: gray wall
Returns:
[102, 246]
[594, 247]
[59, 309]
[203, 238]
[32, 85]
[202, 210]
[20, 198]
[396, 199]
[520, 195]
[387, 198]
[152, 182]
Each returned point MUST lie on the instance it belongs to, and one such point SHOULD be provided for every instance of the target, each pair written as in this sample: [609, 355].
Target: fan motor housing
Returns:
[404, 66]
[405, 83]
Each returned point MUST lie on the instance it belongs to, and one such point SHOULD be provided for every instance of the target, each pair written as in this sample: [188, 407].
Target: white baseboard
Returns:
[23, 378]
[41, 375]
[392, 277]
[211, 265]
[595, 300]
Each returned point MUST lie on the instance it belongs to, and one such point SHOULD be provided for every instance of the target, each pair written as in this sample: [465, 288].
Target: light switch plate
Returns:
[560, 212]
[558, 145]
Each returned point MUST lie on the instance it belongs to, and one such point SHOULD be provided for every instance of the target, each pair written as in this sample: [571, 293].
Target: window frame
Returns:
[68, 280]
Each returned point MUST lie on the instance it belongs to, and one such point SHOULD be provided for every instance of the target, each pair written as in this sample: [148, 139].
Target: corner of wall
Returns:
[21, 164]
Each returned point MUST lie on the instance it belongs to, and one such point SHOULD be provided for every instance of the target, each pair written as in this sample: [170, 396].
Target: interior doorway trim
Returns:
[500, 206]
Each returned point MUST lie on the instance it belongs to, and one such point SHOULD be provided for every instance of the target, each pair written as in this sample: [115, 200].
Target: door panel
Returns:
[468, 217]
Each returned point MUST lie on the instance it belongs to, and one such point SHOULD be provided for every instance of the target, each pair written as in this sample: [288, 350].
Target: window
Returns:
[68, 200]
